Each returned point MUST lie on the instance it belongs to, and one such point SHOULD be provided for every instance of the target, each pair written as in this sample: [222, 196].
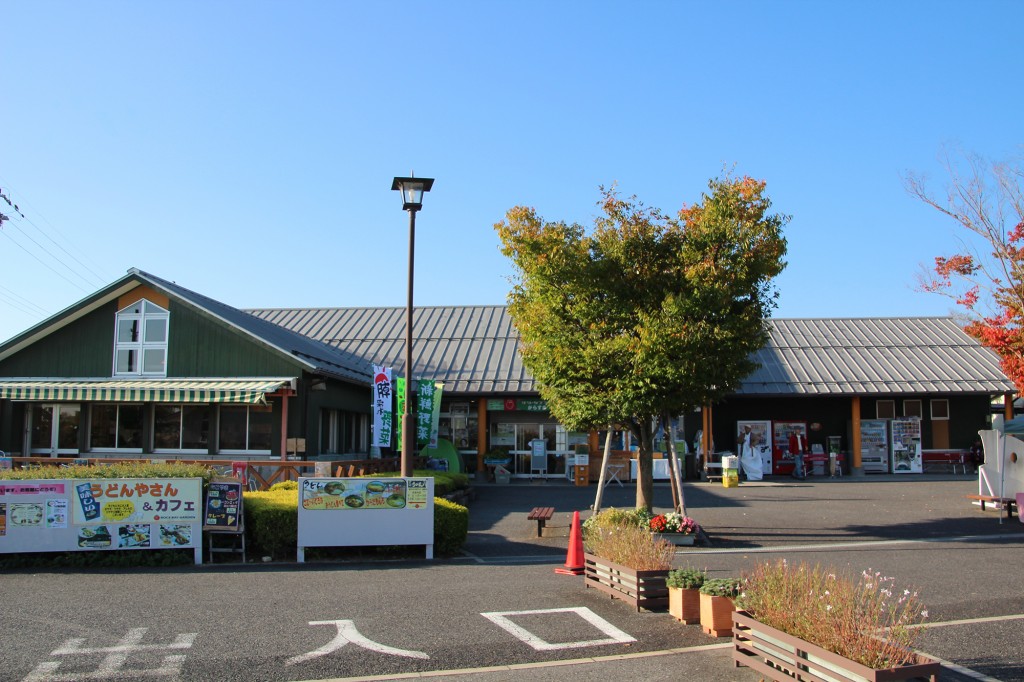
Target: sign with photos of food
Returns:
[356, 493]
[377, 512]
[223, 506]
[101, 514]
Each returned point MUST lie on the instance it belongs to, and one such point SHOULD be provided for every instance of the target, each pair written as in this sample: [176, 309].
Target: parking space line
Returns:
[528, 666]
[974, 621]
[613, 635]
[848, 545]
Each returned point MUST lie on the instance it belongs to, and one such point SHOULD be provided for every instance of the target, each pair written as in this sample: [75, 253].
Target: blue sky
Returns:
[246, 149]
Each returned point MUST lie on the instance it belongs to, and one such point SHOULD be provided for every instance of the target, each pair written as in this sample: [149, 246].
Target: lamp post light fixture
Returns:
[412, 190]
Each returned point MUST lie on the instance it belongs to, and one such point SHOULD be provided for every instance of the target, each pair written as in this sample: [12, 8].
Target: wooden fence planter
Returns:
[640, 589]
[684, 605]
[782, 657]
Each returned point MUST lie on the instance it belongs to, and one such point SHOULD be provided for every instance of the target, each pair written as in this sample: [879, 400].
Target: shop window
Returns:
[343, 432]
[181, 427]
[459, 425]
[245, 428]
[140, 340]
[54, 428]
[940, 409]
[885, 409]
[913, 408]
[116, 427]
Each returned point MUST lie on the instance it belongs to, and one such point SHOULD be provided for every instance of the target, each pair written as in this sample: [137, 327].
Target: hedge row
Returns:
[140, 469]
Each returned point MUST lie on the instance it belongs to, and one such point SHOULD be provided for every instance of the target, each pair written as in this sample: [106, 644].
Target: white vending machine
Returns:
[874, 446]
[906, 446]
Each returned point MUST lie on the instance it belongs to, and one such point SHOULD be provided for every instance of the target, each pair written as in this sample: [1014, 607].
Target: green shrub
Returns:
[686, 578]
[272, 522]
[612, 518]
[285, 485]
[721, 587]
[451, 526]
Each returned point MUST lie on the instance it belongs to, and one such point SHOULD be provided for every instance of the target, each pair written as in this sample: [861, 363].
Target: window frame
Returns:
[920, 408]
[143, 313]
[931, 408]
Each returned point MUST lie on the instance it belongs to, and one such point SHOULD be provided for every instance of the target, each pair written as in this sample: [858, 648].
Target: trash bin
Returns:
[502, 475]
[730, 471]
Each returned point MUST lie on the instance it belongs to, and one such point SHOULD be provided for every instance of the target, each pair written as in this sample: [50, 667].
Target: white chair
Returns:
[611, 473]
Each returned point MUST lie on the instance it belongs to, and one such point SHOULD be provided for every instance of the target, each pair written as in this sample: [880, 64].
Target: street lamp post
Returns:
[412, 190]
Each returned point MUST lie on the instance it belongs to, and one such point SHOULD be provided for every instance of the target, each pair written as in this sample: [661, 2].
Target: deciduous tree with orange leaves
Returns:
[985, 277]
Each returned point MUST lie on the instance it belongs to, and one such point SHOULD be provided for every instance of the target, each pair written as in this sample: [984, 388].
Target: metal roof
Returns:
[473, 349]
[899, 355]
[321, 358]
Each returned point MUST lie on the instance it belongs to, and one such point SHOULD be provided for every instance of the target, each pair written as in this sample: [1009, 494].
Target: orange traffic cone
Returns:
[574, 558]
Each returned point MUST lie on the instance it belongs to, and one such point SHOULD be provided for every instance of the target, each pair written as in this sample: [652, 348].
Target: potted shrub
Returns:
[684, 594]
[717, 597]
[623, 559]
[799, 621]
[674, 527]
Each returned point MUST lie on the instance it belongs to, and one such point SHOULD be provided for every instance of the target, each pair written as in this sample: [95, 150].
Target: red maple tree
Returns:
[986, 278]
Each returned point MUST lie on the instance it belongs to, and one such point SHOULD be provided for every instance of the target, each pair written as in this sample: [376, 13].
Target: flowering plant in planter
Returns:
[674, 522]
[863, 619]
[629, 545]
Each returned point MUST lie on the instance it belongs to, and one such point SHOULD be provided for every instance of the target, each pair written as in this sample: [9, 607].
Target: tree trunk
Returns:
[643, 429]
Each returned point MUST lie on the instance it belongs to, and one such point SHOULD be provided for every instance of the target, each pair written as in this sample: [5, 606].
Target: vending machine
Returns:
[874, 446]
[906, 446]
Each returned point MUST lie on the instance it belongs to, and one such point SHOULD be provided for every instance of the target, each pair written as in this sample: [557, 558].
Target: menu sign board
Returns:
[223, 506]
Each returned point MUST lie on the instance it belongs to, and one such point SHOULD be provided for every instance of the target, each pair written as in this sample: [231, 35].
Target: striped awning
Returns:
[248, 390]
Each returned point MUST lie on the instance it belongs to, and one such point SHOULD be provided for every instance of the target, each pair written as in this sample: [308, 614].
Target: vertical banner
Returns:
[428, 412]
[400, 407]
[382, 416]
[435, 415]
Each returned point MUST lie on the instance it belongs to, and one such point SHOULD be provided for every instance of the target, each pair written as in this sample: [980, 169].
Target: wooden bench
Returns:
[541, 515]
[1007, 502]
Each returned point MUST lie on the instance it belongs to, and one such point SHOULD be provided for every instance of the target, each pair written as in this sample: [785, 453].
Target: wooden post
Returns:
[1008, 406]
[855, 462]
[481, 434]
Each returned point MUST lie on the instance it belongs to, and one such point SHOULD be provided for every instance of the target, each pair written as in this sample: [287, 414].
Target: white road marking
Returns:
[348, 634]
[116, 658]
[614, 635]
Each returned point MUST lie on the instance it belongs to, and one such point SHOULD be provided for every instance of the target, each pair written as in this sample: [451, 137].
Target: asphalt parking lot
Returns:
[921, 530]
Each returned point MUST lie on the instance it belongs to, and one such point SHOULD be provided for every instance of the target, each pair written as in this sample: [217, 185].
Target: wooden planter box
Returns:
[684, 605]
[716, 615]
[640, 589]
[782, 657]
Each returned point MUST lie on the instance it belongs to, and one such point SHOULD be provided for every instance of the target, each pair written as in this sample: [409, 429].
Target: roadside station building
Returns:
[145, 368]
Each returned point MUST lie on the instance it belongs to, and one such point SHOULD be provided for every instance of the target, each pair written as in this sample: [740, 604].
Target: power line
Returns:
[98, 280]
[20, 302]
[44, 264]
